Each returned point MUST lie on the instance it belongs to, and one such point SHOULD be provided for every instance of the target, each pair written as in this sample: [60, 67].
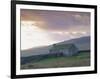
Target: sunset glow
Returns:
[32, 36]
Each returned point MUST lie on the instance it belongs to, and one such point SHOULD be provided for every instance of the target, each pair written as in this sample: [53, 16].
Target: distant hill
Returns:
[82, 43]
[36, 51]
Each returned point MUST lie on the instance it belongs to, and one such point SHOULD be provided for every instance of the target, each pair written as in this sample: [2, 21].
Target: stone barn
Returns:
[63, 49]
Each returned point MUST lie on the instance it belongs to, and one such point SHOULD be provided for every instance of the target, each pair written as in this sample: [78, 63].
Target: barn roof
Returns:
[62, 46]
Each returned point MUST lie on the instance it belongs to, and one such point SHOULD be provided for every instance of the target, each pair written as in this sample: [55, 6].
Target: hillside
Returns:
[82, 43]
[82, 59]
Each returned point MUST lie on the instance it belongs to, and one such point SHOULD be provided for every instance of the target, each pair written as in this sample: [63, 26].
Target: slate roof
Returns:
[62, 46]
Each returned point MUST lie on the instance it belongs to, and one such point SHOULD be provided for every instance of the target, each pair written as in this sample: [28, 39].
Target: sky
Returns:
[45, 27]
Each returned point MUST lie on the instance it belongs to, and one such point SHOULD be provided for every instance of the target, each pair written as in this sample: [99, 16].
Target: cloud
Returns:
[56, 20]
[59, 25]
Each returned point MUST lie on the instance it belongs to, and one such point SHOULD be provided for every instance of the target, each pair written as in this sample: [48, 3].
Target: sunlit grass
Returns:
[81, 59]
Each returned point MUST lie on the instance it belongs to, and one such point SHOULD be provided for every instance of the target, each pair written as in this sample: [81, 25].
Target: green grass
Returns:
[81, 59]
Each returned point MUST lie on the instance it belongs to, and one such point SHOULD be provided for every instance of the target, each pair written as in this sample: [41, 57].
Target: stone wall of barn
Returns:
[73, 50]
[65, 52]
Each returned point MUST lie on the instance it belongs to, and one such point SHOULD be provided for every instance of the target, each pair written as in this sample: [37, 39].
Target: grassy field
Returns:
[81, 59]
